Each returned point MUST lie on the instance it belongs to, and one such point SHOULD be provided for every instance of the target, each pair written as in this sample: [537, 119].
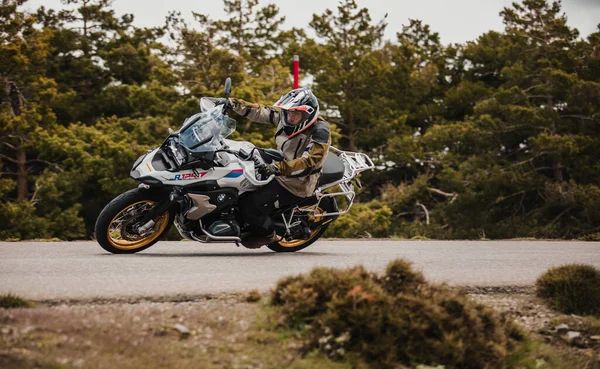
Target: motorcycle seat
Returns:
[333, 170]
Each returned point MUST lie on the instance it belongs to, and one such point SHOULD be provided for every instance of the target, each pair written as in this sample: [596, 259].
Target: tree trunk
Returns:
[6, 97]
[21, 175]
[15, 109]
[557, 169]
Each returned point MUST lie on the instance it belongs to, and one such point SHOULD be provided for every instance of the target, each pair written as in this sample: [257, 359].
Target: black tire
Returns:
[279, 246]
[118, 205]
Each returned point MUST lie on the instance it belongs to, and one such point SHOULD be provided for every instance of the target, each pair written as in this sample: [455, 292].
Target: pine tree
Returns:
[93, 54]
[253, 33]
[26, 93]
[524, 162]
[344, 79]
[27, 97]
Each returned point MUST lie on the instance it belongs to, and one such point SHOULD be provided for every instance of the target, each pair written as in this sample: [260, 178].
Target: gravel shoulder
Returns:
[573, 337]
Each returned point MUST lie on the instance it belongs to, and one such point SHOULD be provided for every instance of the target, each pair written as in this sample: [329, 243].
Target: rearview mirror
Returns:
[275, 155]
[227, 93]
[227, 87]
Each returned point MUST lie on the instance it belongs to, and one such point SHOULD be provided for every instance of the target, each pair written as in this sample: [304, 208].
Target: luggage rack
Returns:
[354, 163]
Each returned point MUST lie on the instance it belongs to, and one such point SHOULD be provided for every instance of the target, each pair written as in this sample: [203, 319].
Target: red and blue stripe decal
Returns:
[234, 173]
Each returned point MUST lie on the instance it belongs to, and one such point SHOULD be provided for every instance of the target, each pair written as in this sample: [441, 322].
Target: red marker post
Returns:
[296, 70]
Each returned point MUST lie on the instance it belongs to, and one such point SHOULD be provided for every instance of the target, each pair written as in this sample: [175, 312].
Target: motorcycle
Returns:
[195, 178]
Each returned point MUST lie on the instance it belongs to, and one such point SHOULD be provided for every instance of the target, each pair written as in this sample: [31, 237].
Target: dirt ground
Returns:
[217, 332]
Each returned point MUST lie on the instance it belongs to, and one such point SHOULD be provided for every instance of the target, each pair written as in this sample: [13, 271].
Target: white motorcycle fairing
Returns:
[236, 173]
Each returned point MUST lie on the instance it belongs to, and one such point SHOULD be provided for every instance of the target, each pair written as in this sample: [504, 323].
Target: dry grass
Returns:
[223, 333]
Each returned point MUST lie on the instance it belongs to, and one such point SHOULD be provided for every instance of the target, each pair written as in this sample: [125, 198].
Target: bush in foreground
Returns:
[571, 289]
[393, 320]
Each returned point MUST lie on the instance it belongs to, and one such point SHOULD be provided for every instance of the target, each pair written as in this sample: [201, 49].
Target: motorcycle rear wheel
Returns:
[114, 226]
[299, 244]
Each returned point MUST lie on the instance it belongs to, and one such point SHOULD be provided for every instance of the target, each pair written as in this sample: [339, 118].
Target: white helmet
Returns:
[304, 101]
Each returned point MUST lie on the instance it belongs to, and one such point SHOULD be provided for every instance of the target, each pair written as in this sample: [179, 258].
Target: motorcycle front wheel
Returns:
[117, 223]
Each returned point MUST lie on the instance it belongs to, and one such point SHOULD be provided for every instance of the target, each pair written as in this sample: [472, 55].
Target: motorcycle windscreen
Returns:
[206, 131]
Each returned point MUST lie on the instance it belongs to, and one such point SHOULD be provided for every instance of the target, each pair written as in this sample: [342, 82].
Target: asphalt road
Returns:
[57, 270]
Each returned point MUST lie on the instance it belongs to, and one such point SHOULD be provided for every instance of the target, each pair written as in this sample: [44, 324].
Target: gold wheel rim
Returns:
[296, 243]
[115, 235]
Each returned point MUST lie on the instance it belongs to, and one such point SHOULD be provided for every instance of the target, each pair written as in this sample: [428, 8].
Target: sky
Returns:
[456, 21]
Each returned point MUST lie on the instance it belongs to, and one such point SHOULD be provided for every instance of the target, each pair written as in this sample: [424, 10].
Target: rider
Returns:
[304, 138]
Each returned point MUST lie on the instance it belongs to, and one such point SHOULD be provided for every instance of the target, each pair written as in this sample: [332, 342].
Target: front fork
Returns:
[175, 198]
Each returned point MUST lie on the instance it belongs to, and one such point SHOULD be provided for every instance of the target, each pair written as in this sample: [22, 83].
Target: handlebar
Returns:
[251, 178]
[245, 165]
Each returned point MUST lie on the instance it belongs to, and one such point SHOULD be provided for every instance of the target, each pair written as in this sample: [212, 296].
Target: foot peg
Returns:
[303, 233]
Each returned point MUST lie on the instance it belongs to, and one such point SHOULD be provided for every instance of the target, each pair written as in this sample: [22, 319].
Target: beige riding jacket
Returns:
[304, 152]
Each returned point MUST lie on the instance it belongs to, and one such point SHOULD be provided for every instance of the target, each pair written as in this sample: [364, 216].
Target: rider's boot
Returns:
[255, 242]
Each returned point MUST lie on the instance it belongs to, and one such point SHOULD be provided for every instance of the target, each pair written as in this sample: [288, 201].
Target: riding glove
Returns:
[268, 169]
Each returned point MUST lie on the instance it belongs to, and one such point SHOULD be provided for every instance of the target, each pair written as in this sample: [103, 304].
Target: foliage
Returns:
[253, 296]
[393, 320]
[571, 289]
[493, 138]
[348, 67]
[364, 220]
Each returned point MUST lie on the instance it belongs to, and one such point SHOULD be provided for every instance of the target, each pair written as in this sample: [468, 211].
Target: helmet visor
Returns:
[304, 108]
[293, 117]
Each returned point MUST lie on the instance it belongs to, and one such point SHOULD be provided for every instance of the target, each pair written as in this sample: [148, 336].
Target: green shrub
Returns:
[10, 301]
[400, 278]
[372, 219]
[253, 296]
[591, 237]
[393, 320]
[571, 289]
[303, 297]
[19, 221]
